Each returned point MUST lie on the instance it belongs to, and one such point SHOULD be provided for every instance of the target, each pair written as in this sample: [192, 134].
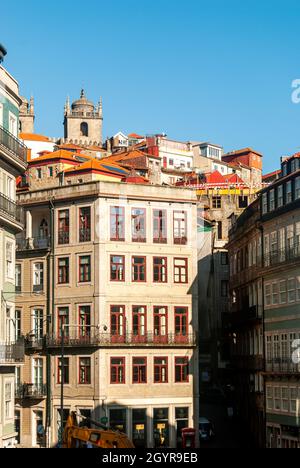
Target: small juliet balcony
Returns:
[12, 353]
[31, 391]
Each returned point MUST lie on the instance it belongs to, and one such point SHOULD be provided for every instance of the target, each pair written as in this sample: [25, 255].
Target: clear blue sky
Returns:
[197, 70]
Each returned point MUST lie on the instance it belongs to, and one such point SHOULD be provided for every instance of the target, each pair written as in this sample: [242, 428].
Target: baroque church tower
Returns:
[83, 122]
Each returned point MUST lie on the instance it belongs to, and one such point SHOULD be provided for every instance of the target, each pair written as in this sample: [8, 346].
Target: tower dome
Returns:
[82, 104]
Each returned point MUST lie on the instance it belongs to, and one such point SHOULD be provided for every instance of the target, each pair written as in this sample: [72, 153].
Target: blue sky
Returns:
[219, 71]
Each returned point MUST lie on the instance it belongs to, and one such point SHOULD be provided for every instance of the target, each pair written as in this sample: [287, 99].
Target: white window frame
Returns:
[13, 124]
[9, 259]
[279, 196]
[8, 399]
[282, 292]
[291, 291]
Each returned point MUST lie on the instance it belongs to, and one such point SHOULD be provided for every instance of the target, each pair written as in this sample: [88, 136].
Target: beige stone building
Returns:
[116, 264]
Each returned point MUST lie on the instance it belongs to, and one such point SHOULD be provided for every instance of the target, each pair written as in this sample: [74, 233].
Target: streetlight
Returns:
[63, 326]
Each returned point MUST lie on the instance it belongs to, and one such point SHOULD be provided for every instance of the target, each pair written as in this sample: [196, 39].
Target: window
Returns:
[18, 327]
[8, 401]
[63, 270]
[265, 203]
[117, 370]
[171, 162]
[39, 173]
[11, 184]
[216, 202]
[297, 188]
[139, 323]
[117, 323]
[117, 223]
[50, 171]
[269, 391]
[159, 226]
[38, 322]
[293, 399]
[181, 369]
[279, 196]
[224, 258]
[243, 201]
[219, 230]
[297, 288]
[38, 373]
[85, 224]
[180, 227]
[85, 321]
[117, 268]
[38, 277]
[139, 269]
[181, 324]
[291, 289]
[160, 370]
[9, 260]
[63, 319]
[139, 371]
[138, 225]
[63, 227]
[18, 278]
[224, 288]
[272, 199]
[277, 398]
[275, 293]
[84, 371]
[85, 269]
[13, 124]
[65, 375]
[289, 194]
[282, 292]
[268, 294]
[180, 270]
[160, 317]
[84, 129]
[159, 269]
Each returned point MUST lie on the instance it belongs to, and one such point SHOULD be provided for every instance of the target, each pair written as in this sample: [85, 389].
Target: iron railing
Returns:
[10, 208]
[88, 339]
[13, 144]
[282, 255]
[33, 243]
[63, 237]
[282, 365]
[84, 235]
[29, 390]
[13, 352]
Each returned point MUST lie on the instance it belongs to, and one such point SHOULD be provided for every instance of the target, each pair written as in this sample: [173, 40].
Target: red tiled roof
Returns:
[136, 136]
[33, 137]
[271, 174]
[242, 151]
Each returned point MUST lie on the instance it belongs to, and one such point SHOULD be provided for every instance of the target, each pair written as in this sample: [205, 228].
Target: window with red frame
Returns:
[180, 227]
[117, 323]
[180, 270]
[181, 323]
[160, 370]
[63, 319]
[117, 268]
[117, 223]
[85, 320]
[181, 369]
[84, 370]
[139, 322]
[160, 317]
[160, 226]
[159, 269]
[117, 370]
[138, 225]
[65, 371]
[85, 269]
[139, 269]
[139, 370]
[85, 224]
[63, 227]
[63, 270]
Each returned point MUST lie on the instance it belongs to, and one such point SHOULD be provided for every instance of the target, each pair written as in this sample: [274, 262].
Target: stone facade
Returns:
[27, 116]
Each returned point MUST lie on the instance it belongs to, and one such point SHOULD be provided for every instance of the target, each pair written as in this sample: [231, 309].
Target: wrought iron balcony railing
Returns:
[12, 353]
[34, 243]
[282, 365]
[10, 208]
[84, 235]
[91, 339]
[28, 390]
[278, 256]
[13, 144]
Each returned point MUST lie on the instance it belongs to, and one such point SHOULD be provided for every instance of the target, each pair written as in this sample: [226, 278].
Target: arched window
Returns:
[44, 232]
[84, 129]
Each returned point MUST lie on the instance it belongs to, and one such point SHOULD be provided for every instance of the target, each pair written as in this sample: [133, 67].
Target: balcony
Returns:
[282, 366]
[246, 317]
[12, 353]
[33, 243]
[149, 339]
[84, 235]
[279, 256]
[31, 391]
[34, 343]
[248, 363]
[11, 209]
[13, 146]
